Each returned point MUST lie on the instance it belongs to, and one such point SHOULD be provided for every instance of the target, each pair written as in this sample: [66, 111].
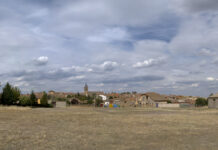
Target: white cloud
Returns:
[42, 60]
[210, 79]
[109, 65]
[148, 63]
[77, 69]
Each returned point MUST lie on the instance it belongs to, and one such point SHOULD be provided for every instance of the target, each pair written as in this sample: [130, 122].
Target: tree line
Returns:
[12, 96]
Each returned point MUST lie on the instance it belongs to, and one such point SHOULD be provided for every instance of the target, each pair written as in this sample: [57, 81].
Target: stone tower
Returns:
[86, 89]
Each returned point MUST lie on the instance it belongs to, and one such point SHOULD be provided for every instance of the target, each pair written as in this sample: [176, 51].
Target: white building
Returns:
[104, 98]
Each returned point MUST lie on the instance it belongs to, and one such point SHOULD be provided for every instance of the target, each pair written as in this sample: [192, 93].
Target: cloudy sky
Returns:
[166, 46]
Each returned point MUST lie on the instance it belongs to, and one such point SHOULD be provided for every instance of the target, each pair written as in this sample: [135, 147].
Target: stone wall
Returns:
[162, 105]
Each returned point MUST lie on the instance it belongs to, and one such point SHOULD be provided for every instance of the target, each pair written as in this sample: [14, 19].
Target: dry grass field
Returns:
[87, 128]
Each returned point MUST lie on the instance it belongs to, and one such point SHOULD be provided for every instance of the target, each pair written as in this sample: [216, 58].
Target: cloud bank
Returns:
[113, 45]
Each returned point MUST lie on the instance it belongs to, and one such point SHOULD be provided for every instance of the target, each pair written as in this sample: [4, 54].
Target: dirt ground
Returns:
[87, 128]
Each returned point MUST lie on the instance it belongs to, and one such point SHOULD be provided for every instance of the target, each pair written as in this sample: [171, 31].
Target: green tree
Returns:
[7, 95]
[169, 101]
[98, 101]
[24, 101]
[0, 95]
[69, 96]
[201, 102]
[110, 97]
[90, 101]
[44, 99]
[16, 94]
[33, 99]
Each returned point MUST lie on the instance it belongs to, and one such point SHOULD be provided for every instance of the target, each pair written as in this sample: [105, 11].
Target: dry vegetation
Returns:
[102, 128]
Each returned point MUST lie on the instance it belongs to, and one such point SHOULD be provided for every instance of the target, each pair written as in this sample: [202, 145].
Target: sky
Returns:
[164, 46]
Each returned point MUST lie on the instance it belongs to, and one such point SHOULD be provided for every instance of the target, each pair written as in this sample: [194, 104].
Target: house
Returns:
[151, 99]
[213, 101]
[103, 97]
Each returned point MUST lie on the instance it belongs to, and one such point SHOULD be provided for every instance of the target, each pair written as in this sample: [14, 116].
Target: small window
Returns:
[214, 100]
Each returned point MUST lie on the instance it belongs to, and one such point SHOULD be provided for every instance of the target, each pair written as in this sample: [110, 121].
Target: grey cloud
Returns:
[188, 82]
[34, 75]
[148, 78]
[101, 40]
[201, 5]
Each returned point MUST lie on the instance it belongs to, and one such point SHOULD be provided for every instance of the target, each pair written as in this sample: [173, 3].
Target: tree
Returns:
[7, 95]
[16, 94]
[69, 96]
[90, 101]
[98, 101]
[0, 95]
[44, 100]
[33, 99]
[201, 102]
[24, 101]
[0, 98]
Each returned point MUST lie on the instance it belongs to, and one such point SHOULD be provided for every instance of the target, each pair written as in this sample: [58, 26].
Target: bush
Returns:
[201, 102]
[24, 101]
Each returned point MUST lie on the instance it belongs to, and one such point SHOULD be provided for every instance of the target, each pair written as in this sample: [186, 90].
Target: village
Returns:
[125, 99]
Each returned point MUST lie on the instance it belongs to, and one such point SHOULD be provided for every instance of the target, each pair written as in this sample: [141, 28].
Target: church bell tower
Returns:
[86, 89]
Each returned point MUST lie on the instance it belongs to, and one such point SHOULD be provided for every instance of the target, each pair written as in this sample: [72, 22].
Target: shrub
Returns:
[201, 102]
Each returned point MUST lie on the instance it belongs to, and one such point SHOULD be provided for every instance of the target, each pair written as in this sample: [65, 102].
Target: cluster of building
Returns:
[149, 99]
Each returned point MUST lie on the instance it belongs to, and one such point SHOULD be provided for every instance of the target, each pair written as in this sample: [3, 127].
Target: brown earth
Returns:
[87, 128]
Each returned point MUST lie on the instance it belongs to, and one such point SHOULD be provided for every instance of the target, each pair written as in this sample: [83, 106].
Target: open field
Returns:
[89, 128]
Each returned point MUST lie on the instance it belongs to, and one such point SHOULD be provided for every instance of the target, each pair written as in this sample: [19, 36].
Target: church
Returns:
[90, 93]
